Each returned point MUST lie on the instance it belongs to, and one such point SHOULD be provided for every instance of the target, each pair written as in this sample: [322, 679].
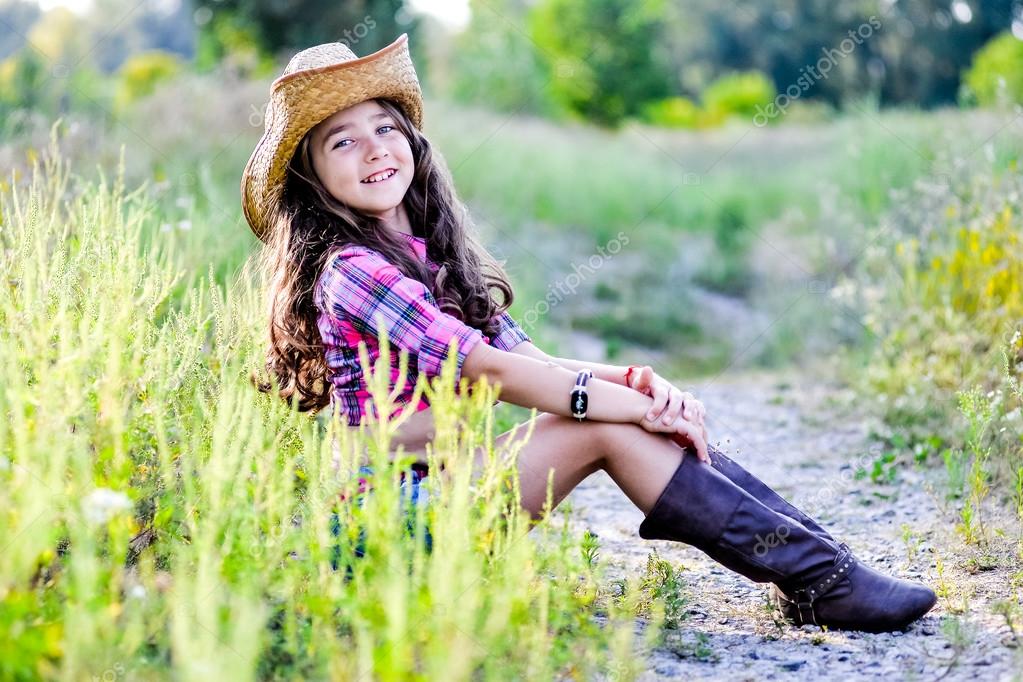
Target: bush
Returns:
[996, 74]
[738, 94]
[30, 84]
[141, 73]
[943, 312]
[22, 77]
[673, 112]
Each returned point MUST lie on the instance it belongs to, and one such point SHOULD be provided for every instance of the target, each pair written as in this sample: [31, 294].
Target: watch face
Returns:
[579, 401]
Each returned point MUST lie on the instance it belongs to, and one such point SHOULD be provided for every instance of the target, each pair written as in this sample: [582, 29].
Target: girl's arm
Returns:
[530, 380]
[612, 373]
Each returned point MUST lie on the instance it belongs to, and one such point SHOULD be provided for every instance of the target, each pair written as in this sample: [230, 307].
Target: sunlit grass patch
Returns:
[162, 517]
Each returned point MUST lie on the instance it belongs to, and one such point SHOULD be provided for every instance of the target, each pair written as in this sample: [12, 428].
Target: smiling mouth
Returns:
[378, 177]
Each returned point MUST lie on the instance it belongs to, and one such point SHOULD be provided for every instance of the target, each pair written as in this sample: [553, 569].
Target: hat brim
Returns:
[300, 100]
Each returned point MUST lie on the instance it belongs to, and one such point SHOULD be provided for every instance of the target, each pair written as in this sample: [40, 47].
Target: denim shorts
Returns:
[414, 497]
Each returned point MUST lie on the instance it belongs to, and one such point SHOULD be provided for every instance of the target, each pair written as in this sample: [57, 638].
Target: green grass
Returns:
[728, 210]
[164, 520]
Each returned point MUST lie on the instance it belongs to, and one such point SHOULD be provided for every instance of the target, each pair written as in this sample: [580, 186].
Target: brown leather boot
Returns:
[763, 492]
[816, 576]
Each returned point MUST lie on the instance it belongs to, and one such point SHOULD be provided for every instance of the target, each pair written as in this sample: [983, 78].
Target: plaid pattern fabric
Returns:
[357, 287]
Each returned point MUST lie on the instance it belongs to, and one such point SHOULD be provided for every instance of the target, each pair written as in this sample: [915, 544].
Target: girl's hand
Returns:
[668, 400]
[683, 432]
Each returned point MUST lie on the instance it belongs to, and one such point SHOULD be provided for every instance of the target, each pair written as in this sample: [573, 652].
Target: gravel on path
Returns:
[805, 439]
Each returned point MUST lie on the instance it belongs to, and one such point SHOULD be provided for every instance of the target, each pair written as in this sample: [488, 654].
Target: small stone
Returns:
[792, 665]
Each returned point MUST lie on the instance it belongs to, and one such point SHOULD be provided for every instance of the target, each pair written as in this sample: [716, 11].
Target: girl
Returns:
[364, 234]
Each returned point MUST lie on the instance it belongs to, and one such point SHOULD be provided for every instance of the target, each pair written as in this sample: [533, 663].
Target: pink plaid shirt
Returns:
[355, 285]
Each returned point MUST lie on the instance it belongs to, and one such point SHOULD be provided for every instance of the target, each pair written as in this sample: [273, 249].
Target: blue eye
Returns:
[338, 143]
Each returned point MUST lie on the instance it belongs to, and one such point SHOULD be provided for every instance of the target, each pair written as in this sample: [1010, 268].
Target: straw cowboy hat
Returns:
[317, 82]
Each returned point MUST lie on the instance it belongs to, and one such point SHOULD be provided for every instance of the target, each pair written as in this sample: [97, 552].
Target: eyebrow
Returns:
[339, 128]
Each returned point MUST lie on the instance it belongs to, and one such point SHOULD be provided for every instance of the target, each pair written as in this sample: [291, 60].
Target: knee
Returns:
[602, 438]
[624, 444]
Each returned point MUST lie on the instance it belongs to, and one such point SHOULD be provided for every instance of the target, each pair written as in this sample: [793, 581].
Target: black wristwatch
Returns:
[579, 397]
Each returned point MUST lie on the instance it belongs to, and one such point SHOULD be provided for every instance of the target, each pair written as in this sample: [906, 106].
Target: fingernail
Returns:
[651, 415]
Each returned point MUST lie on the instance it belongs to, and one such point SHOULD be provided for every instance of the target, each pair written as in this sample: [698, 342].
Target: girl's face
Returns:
[359, 144]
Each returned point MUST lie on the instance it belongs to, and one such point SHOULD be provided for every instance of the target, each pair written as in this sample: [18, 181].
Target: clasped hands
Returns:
[674, 411]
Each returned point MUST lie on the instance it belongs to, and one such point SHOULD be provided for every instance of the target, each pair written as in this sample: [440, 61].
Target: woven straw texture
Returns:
[318, 82]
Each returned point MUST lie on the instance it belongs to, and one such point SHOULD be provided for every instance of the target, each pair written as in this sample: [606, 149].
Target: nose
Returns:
[377, 151]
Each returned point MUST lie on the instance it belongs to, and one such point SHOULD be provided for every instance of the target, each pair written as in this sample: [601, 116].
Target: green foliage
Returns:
[729, 272]
[959, 293]
[662, 594]
[883, 470]
[164, 519]
[141, 73]
[229, 37]
[663, 53]
[30, 84]
[731, 95]
[601, 80]
[271, 25]
[497, 66]
[979, 412]
[941, 287]
[738, 94]
[22, 77]
[674, 112]
[996, 74]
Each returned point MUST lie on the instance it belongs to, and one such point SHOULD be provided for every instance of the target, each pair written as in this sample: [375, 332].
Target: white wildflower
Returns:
[102, 504]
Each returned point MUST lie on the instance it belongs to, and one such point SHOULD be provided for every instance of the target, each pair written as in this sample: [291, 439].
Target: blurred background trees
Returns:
[691, 64]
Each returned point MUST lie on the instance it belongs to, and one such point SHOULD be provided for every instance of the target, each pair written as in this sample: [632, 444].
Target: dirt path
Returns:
[791, 434]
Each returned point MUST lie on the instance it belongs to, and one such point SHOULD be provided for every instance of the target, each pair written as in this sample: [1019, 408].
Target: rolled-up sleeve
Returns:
[363, 287]
[509, 334]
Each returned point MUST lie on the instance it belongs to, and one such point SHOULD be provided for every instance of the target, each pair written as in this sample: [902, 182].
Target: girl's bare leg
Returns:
[640, 462]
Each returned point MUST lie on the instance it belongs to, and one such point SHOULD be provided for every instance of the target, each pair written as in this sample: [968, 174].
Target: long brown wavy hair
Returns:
[309, 225]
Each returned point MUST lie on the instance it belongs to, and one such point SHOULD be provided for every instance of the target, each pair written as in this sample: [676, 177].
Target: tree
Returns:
[996, 73]
[604, 56]
[497, 63]
[282, 27]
